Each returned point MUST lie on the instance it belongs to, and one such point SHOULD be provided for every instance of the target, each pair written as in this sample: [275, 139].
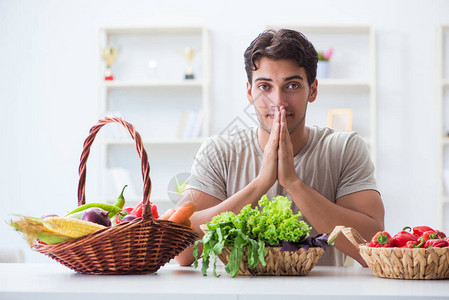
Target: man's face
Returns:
[280, 83]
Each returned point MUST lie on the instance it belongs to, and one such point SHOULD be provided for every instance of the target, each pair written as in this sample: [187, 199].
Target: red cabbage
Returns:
[96, 215]
[319, 241]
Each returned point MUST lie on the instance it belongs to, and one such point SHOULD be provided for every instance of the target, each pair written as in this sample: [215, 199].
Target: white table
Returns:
[53, 281]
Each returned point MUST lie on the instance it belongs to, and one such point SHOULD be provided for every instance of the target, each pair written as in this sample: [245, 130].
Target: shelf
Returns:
[151, 84]
[153, 29]
[330, 28]
[173, 141]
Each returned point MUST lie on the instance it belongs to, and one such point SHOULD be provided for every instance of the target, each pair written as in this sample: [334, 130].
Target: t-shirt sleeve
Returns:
[358, 172]
[208, 171]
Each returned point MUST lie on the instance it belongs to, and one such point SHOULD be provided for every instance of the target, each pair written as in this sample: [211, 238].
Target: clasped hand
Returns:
[277, 162]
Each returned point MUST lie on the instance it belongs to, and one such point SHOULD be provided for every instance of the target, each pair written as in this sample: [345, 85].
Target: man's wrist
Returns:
[260, 186]
[292, 185]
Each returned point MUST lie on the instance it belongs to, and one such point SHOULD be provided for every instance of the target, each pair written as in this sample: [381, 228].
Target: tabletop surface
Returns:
[54, 281]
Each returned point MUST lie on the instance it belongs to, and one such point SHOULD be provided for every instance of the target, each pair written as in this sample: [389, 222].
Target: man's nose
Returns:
[278, 99]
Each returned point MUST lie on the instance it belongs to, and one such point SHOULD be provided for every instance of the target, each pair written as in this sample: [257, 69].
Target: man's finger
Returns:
[283, 132]
[275, 128]
[285, 143]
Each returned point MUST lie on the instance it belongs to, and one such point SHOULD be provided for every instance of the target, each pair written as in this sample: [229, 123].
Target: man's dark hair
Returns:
[282, 44]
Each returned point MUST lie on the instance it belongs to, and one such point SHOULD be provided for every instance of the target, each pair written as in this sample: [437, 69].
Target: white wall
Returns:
[48, 94]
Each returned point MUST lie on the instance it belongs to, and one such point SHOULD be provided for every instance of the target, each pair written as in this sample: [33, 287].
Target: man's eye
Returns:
[293, 86]
[263, 87]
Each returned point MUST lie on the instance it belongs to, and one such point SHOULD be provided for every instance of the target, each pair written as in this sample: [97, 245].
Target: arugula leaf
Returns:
[262, 252]
[195, 253]
[252, 249]
[236, 256]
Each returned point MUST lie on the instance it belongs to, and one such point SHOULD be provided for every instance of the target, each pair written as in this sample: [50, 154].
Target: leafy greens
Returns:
[252, 228]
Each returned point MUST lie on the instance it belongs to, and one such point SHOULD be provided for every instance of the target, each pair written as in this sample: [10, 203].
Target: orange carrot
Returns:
[183, 213]
[167, 214]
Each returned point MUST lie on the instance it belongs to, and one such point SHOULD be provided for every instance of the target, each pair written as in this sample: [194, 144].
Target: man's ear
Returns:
[313, 91]
[248, 93]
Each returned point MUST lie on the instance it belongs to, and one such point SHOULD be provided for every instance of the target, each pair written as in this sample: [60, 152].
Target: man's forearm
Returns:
[323, 215]
[248, 195]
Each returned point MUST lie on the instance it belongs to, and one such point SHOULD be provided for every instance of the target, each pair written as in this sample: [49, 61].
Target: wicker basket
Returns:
[399, 263]
[140, 246]
[279, 263]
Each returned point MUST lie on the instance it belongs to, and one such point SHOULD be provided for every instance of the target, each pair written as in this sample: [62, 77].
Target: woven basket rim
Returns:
[434, 249]
[107, 231]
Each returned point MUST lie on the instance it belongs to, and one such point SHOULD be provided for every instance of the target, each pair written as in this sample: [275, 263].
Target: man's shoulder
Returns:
[239, 143]
[238, 137]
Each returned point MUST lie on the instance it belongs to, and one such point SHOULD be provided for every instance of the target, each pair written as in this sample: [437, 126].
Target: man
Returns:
[328, 175]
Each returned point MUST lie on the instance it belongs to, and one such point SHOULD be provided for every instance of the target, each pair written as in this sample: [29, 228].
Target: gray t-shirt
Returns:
[333, 163]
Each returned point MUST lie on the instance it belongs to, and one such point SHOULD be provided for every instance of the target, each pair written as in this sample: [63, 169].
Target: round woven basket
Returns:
[400, 263]
[140, 246]
[279, 263]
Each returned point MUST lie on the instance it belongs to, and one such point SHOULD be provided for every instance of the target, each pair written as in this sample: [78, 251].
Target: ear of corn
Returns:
[33, 228]
[73, 228]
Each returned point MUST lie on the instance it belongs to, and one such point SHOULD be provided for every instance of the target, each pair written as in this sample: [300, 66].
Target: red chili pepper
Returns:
[436, 243]
[381, 239]
[137, 211]
[154, 211]
[128, 209]
[402, 237]
[412, 244]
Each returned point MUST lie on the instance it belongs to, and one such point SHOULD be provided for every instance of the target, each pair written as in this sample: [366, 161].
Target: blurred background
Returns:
[389, 67]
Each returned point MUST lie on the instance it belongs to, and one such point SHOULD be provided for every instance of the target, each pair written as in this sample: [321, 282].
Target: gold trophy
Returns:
[109, 56]
[188, 54]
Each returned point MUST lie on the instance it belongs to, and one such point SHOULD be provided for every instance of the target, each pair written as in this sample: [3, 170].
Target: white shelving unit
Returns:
[352, 76]
[136, 84]
[442, 119]
[156, 100]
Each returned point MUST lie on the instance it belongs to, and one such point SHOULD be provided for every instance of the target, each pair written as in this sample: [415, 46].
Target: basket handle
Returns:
[146, 207]
[350, 233]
